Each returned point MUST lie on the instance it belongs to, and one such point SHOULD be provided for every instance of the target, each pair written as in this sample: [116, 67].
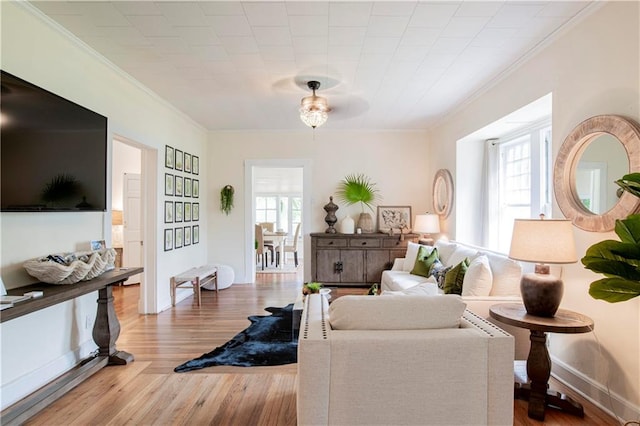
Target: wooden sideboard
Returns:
[355, 259]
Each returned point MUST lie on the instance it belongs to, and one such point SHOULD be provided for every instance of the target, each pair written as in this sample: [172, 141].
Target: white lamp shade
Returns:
[427, 223]
[543, 241]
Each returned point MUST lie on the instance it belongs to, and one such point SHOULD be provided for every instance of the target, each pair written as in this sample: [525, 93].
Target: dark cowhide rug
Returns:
[267, 341]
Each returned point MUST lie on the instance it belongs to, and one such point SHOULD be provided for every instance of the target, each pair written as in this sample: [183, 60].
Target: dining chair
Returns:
[293, 248]
[262, 248]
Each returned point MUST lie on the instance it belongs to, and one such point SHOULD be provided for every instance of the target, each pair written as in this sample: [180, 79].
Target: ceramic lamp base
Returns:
[541, 294]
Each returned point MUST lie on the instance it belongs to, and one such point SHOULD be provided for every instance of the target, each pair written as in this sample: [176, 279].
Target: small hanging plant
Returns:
[226, 199]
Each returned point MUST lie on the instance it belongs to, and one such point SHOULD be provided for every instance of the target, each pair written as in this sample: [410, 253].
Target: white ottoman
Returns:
[225, 276]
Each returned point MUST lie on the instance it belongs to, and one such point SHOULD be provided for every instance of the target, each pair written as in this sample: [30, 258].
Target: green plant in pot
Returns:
[358, 188]
[226, 199]
[619, 261]
[311, 287]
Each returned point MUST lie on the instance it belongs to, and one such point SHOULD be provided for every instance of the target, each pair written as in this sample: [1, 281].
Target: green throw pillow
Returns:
[454, 278]
[424, 260]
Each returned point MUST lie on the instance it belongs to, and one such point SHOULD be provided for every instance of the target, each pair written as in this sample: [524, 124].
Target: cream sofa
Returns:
[496, 280]
[410, 360]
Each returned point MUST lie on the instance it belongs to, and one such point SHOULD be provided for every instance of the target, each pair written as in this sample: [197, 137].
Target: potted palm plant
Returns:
[619, 261]
[358, 188]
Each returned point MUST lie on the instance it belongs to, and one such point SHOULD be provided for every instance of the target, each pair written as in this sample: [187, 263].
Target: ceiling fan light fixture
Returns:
[314, 110]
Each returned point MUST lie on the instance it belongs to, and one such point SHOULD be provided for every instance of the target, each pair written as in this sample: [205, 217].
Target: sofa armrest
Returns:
[314, 362]
[398, 264]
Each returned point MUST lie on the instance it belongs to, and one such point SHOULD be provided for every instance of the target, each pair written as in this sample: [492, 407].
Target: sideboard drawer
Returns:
[331, 242]
[395, 243]
[364, 242]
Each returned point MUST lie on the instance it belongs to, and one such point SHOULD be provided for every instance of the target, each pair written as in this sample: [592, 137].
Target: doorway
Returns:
[133, 206]
[286, 185]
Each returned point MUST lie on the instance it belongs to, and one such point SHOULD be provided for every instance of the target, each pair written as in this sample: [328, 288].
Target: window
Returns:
[285, 211]
[523, 171]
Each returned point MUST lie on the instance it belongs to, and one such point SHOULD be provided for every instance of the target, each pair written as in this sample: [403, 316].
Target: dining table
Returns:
[278, 238]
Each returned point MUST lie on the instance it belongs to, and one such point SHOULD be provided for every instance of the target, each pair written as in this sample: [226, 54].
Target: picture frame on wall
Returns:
[195, 188]
[178, 212]
[168, 184]
[195, 167]
[168, 212]
[179, 186]
[187, 212]
[168, 239]
[187, 162]
[179, 160]
[187, 187]
[178, 237]
[187, 236]
[395, 218]
[195, 238]
[169, 157]
[195, 212]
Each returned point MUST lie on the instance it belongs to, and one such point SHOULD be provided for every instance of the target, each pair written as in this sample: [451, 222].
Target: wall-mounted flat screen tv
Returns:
[53, 152]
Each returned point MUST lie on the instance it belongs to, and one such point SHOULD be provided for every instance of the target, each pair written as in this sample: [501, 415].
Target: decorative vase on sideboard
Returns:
[365, 222]
[331, 218]
[347, 225]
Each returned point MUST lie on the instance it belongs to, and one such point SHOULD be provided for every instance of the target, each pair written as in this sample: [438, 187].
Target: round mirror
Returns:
[602, 161]
[597, 152]
[442, 193]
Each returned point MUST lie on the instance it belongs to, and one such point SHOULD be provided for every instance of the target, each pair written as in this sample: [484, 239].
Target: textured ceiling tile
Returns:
[420, 36]
[433, 15]
[479, 8]
[229, 25]
[514, 15]
[563, 9]
[182, 13]
[277, 53]
[394, 8]
[268, 36]
[349, 14]
[309, 25]
[306, 8]
[346, 36]
[387, 26]
[385, 45]
[221, 8]
[240, 45]
[153, 26]
[197, 36]
[103, 14]
[464, 27]
[266, 14]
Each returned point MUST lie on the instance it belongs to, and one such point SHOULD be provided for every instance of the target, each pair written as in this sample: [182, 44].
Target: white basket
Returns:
[52, 272]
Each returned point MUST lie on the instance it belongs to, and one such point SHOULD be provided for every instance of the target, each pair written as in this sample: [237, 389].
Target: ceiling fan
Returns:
[314, 110]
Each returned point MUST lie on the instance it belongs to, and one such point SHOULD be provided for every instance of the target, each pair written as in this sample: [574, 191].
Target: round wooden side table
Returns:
[538, 361]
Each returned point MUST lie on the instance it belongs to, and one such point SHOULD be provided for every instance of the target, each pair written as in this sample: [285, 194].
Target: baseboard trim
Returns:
[612, 403]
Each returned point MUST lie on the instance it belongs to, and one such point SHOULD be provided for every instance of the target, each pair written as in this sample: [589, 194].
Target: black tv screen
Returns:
[53, 152]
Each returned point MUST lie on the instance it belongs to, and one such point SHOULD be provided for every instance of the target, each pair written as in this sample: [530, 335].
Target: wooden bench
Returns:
[194, 278]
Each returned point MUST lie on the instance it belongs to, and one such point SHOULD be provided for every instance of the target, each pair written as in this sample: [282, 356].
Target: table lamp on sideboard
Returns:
[543, 241]
[428, 223]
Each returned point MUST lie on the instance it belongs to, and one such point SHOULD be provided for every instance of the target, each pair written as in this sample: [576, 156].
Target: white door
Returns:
[132, 235]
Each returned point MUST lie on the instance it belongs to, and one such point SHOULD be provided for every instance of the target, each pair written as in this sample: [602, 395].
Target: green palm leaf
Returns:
[357, 188]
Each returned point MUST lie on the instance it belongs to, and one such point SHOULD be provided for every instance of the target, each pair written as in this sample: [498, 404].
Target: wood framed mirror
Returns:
[442, 193]
[594, 155]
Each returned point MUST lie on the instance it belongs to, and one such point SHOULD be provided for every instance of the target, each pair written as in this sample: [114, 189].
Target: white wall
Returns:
[591, 69]
[395, 161]
[45, 344]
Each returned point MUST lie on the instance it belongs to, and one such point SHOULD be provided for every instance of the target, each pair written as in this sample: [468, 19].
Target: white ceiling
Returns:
[383, 65]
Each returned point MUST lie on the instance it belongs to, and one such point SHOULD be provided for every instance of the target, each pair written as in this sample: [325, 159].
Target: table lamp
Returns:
[428, 223]
[542, 241]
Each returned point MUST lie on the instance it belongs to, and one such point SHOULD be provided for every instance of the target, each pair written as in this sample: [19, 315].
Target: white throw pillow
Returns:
[427, 288]
[412, 255]
[506, 275]
[396, 312]
[461, 253]
[445, 249]
[478, 279]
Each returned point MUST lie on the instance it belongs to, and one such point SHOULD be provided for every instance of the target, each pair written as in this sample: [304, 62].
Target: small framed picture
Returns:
[178, 237]
[168, 212]
[187, 162]
[195, 238]
[98, 245]
[179, 160]
[178, 212]
[195, 212]
[168, 239]
[187, 236]
[396, 218]
[187, 187]
[195, 188]
[168, 184]
[195, 165]
[187, 212]
[169, 157]
[179, 186]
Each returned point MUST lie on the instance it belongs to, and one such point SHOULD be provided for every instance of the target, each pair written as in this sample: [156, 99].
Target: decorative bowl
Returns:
[71, 268]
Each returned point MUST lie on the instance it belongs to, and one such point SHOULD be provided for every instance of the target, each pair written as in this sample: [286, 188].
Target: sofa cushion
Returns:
[454, 279]
[426, 257]
[396, 312]
[427, 288]
[445, 249]
[478, 279]
[506, 275]
[461, 253]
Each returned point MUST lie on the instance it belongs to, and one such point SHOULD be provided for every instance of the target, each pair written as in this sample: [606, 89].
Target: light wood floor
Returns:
[148, 392]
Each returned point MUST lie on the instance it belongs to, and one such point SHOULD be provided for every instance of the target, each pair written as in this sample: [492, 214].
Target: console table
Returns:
[355, 259]
[538, 361]
[105, 333]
